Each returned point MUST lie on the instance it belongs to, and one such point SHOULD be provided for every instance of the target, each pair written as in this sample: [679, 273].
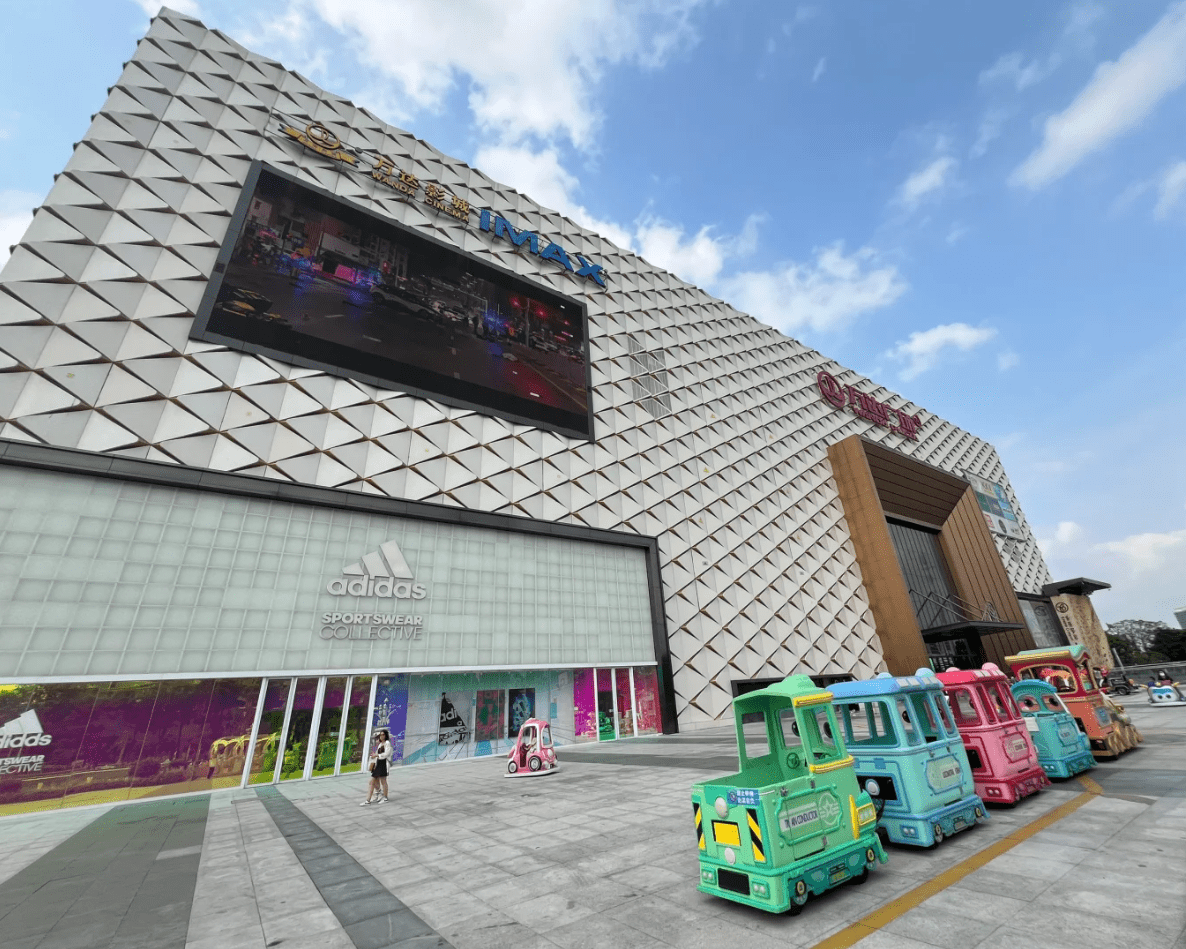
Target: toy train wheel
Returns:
[939, 835]
[534, 763]
[862, 877]
[512, 767]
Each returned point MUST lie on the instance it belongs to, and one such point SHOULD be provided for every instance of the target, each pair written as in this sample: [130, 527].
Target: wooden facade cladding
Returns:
[874, 482]
[975, 565]
[980, 578]
[889, 599]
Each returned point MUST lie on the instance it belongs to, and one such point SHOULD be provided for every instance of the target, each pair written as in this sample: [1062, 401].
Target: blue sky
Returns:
[979, 205]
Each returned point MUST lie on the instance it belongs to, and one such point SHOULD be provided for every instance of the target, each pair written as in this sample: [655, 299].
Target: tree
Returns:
[1139, 632]
[1171, 643]
[1124, 649]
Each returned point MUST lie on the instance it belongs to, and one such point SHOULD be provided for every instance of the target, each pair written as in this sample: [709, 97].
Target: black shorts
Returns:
[379, 770]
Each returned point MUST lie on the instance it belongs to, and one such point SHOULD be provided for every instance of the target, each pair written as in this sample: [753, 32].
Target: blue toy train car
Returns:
[909, 756]
[1063, 750]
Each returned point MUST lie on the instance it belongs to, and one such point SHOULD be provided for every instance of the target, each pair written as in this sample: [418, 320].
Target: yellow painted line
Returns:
[869, 924]
[1090, 785]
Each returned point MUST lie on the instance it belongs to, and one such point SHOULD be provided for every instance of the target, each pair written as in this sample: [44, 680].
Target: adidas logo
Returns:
[383, 573]
[24, 731]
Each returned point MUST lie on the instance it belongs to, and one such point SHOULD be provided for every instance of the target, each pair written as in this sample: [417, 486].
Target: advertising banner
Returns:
[998, 512]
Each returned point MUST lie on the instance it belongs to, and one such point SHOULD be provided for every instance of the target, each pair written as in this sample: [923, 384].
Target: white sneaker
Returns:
[366, 802]
[380, 800]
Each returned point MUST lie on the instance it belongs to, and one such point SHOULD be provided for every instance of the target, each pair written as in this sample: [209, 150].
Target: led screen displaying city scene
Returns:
[306, 275]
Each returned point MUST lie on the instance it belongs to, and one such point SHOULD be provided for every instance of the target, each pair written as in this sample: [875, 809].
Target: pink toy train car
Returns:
[1004, 762]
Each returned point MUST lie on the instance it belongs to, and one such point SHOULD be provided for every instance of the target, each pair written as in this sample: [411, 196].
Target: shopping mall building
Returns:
[307, 428]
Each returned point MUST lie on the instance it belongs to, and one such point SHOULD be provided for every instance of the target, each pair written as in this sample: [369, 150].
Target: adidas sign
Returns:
[24, 731]
[382, 573]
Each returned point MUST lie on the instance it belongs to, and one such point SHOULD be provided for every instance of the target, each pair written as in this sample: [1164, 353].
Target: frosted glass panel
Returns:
[99, 577]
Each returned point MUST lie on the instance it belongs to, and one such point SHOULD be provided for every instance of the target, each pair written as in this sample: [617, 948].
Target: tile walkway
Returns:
[603, 854]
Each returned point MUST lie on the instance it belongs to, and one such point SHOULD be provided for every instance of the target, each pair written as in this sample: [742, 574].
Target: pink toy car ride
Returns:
[1005, 765]
[533, 752]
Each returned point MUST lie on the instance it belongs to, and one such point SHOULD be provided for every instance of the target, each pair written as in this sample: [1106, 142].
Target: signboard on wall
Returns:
[997, 510]
[306, 275]
[1079, 621]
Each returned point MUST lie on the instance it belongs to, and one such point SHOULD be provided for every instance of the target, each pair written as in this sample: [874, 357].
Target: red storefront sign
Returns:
[866, 407]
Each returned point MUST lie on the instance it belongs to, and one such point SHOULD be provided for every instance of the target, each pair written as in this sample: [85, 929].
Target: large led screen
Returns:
[308, 278]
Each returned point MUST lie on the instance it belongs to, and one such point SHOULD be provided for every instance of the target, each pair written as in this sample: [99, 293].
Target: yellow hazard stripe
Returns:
[755, 833]
[699, 825]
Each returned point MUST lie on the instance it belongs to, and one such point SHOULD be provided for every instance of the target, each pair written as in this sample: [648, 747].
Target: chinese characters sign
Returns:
[320, 139]
[865, 406]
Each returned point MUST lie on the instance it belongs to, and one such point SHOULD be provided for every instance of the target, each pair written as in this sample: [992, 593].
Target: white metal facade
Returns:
[710, 433]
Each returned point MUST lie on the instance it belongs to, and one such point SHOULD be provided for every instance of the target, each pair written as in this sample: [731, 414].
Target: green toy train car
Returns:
[793, 821]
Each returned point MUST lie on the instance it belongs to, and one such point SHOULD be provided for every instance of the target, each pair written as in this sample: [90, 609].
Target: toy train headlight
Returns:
[872, 788]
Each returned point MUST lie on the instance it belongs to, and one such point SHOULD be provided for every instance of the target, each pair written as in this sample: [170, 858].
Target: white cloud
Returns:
[1012, 70]
[923, 349]
[1170, 189]
[530, 69]
[698, 258]
[991, 126]
[1119, 97]
[1067, 534]
[16, 212]
[819, 69]
[926, 181]
[1080, 18]
[822, 295]
[1145, 552]
[956, 233]
[1147, 571]
[1007, 360]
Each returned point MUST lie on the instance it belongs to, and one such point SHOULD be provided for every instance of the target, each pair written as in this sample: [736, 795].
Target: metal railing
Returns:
[933, 609]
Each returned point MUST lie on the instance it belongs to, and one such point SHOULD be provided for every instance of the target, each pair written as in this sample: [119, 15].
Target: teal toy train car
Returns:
[909, 756]
[793, 822]
[1063, 750]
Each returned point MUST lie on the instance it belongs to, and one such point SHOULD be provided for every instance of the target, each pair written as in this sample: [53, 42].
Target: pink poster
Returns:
[584, 702]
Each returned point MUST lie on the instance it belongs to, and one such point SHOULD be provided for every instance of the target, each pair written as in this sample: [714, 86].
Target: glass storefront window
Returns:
[625, 703]
[647, 719]
[97, 743]
[267, 741]
[606, 730]
[329, 727]
[299, 724]
[584, 702]
[352, 758]
[227, 731]
[109, 758]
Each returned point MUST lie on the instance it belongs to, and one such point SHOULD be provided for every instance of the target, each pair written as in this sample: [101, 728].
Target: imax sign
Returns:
[574, 263]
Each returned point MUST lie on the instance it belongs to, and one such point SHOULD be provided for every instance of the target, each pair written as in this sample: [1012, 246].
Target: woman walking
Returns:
[377, 790]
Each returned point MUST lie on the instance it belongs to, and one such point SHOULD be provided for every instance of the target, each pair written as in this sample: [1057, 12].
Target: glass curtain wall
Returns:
[100, 742]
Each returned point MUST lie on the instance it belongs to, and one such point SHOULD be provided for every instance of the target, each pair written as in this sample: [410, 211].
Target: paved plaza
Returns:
[600, 854]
